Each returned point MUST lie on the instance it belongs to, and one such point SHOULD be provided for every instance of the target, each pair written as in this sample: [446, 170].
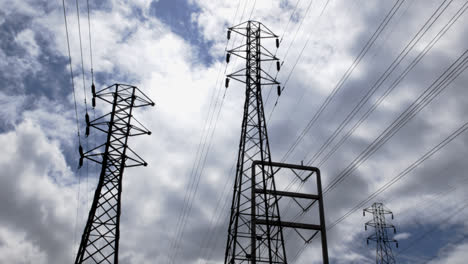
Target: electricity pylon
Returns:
[384, 254]
[100, 239]
[253, 145]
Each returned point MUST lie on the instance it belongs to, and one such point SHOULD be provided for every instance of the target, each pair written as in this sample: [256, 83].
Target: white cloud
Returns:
[36, 183]
[455, 255]
[15, 248]
[11, 109]
[26, 39]
[402, 236]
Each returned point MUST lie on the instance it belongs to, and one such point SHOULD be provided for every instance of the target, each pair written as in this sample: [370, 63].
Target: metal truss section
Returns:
[266, 197]
[254, 145]
[100, 239]
[384, 254]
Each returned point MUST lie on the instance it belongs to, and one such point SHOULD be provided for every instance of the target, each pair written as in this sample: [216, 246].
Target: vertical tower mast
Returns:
[100, 239]
[264, 243]
[384, 254]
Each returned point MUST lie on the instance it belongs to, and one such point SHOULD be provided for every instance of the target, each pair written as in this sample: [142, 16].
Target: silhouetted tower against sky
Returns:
[253, 146]
[100, 240]
[384, 254]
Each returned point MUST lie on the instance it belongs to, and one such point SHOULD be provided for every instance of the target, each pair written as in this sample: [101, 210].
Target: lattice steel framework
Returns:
[384, 254]
[253, 145]
[100, 240]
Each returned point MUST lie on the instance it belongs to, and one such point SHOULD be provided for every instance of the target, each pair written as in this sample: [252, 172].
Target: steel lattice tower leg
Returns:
[384, 254]
[100, 240]
[264, 243]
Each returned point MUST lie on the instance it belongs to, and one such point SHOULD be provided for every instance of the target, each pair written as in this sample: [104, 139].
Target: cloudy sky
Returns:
[378, 81]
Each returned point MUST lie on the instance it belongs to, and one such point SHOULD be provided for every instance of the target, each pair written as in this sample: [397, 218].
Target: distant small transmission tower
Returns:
[100, 240]
[384, 254]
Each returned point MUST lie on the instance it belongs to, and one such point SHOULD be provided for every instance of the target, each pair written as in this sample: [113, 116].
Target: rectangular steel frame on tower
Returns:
[264, 197]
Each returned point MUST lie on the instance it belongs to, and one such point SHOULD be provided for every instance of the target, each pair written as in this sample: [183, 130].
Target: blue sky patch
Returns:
[177, 14]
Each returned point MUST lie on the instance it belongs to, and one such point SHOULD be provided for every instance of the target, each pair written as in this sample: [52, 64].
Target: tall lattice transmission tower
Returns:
[384, 254]
[255, 233]
[253, 145]
[100, 239]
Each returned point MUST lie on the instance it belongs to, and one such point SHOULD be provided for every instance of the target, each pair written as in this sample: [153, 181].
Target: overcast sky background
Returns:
[174, 50]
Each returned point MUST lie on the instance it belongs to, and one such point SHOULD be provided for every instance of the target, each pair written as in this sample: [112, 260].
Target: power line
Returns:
[280, 41]
[199, 165]
[289, 20]
[90, 45]
[76, 115]
[394, 84]
[205, 252]
[306, 43]
[348, 72]
[92, 89]
[365, 49]
[198, 169]
[71, 74]
[444, 30]
[298, 28]
[81, 54]
[253, 8]
[295, 64]
[447, 77]
[201, 146]
[193, 175]
[191, 200]
[386, 75]
[425, 98]
[453, 242]
[84, 88]
[401, 175]
[423, 235]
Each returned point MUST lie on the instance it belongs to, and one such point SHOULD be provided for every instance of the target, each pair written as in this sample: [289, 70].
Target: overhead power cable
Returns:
[76, 115]
[400, 176]
[416, 240]
[190, 205]
[253, 8]
[222, 201]
[280, 41]
[403, 173]
[84, 90]
[425, 98]
[92, 85]
[199, 163]
[90, 45]
[289, 20]
[192, 187]
[430, 44]
[395, 63]
[391, 68]
[81, 54]
[71, 74]
[297, 29]
[348, 72]
[456, 242]
[295, 63]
